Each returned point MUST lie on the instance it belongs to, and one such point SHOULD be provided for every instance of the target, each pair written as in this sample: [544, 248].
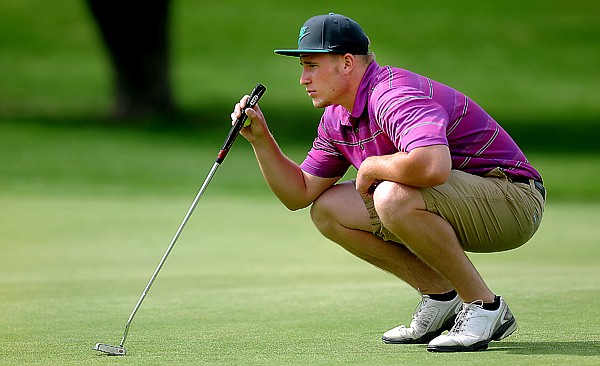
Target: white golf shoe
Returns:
[430, 319]
[474, 328]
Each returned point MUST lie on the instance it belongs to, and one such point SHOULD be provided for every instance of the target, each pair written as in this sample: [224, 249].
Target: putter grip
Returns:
[258, 91]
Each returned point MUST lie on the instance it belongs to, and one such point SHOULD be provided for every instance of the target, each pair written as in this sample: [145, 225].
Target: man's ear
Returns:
[349, 62]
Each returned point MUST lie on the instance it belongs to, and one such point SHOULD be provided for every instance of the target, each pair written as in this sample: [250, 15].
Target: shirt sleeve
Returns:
[324, 160]
[411, 119]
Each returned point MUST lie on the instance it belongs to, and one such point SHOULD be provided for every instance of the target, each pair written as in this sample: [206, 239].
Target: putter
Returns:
[235, 129]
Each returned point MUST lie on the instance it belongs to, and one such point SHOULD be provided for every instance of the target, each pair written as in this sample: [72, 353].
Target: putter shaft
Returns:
[209, 177]
[233, 133]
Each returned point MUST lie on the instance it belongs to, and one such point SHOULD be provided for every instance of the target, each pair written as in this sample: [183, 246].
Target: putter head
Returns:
[110, 350]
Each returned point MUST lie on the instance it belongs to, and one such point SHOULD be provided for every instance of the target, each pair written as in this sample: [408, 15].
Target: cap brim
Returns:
[297, 53]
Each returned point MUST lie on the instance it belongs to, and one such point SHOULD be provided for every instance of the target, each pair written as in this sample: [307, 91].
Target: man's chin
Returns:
[319, 103]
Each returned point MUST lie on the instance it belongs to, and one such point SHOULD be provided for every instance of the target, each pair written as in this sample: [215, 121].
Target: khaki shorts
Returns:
[488, 214]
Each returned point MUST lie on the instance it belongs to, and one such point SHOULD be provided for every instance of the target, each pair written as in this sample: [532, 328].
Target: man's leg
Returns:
[402, 210]
[404, 213]
[341, 216]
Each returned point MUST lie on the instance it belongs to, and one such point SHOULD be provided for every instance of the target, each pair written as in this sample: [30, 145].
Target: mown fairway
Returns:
[248, 282]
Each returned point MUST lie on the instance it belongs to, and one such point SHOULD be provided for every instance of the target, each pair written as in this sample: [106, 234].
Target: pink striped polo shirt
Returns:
[398, 110]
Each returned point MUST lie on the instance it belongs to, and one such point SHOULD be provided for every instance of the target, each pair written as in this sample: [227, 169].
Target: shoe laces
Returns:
[463, 316]
[421, 318]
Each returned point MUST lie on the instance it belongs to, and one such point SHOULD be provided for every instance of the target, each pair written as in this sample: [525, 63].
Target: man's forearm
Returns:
[423, 167]
[284, 176]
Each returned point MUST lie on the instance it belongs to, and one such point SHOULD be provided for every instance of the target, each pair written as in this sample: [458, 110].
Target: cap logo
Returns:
[303, 33]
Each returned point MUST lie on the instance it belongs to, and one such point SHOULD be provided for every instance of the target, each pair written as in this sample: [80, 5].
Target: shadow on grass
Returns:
[574, 348]
[558, 136]
[297, 125]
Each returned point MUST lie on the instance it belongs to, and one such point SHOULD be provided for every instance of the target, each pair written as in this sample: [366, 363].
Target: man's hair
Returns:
[365, 59]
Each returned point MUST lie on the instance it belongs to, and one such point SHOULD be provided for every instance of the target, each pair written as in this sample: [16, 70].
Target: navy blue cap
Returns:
[331, 33]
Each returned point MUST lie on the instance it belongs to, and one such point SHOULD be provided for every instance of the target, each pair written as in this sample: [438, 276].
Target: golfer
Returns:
[437, 176]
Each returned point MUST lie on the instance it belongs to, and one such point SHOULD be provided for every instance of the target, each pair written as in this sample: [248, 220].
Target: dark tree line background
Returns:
[136, 36]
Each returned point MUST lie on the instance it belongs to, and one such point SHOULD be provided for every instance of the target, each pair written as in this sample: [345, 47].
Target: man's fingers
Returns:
[237, 109]
[236, 113]
[251, 114]
[244, 100]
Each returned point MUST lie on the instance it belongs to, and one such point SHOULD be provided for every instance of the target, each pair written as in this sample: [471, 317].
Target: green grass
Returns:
[87, 209]
[87, 213]
[238, 291]
[88, 161]
[521, 59]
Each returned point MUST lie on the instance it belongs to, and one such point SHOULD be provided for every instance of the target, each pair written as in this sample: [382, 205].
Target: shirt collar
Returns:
[360, 102]
[363, 90]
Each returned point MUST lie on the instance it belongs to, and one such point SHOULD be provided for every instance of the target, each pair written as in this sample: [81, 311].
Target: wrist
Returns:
[263, 142]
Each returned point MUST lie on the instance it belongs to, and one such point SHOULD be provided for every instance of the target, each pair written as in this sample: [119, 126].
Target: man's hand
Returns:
[366, 179]
[427, 166]
[255, 126]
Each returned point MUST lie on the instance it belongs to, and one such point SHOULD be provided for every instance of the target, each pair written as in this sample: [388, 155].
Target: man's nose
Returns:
[304, 80]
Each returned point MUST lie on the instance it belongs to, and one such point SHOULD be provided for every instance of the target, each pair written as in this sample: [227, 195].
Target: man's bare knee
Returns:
[339, 206]
[394, 201]
[321, 213]
[325, 210]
